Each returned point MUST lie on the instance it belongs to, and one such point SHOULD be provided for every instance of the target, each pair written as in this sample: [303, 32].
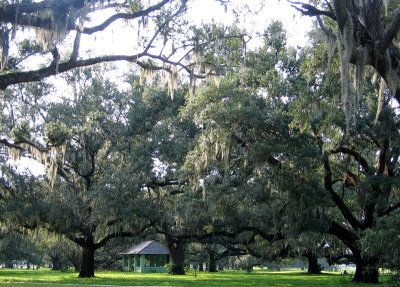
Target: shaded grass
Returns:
[11, 277]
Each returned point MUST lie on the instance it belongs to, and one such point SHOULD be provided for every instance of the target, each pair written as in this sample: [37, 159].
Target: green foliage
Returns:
[20, 247]
[275, 37]
[175, 269]
[384, 242]
[57, 133]
[21, 131]
[135, 5]
[28, 48]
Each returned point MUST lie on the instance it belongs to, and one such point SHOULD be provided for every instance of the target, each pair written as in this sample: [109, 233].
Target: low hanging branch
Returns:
[49, 156]
[37, 75]
[11, 145]
[25, 15]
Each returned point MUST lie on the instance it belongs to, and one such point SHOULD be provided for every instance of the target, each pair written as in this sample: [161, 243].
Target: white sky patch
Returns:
[297, 26]
[121, 37]
[159, 168]
[27, 165]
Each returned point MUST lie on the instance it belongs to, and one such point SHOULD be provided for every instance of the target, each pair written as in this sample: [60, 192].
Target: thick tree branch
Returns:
[356, 155]
[37, 75]
[390, 34]
[11, 145]
[342, 233]
[51, 70]
[77, 41]
[271, 237]
[335, 197]
[230, 251]
[125, 16]
[165, 182]
[389, 210]
[343, 8]
[78, 240]
[382, 159]
[309, 10]
[114, 235]
[23, 14]
[327, 31]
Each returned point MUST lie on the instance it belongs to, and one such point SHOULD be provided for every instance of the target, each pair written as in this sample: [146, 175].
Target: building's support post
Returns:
[129, 262]
[124, 262]
[137, 262]
[142, 260]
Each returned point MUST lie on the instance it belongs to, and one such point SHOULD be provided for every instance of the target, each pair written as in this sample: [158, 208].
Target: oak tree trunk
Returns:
[366, 272]
[212, 264]
[87, 265]
[55, 261]
[313, 266]
[176, 248]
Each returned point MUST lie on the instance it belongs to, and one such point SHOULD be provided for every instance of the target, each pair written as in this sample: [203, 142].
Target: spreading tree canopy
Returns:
[60, 27]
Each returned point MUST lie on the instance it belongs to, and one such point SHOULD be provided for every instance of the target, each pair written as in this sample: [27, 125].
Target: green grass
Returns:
[11, 277]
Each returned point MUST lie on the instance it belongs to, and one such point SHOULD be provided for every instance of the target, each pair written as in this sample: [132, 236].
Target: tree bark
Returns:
[313, 266]
[55, 261]
[212, 264]
[201, 267]
[87, 265]
[366, 270]
[176, 248]
[9, 264]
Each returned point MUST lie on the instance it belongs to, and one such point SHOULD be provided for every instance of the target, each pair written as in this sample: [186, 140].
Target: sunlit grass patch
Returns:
[10, 277]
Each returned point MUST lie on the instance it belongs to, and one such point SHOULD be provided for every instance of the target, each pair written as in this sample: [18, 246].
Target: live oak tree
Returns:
[168, 139]
[175, 195]
[372, 180]
[322, 135]
[313, 246]
[88, 183]
[178, 209]
[311, 132]
[357, 162]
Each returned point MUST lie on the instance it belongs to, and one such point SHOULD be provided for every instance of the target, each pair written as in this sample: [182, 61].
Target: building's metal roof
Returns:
[146, 247]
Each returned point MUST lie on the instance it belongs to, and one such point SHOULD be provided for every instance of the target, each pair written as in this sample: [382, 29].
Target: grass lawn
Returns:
[11, 277]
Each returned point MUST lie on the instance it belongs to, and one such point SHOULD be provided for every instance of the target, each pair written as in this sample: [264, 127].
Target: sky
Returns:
[204, 11]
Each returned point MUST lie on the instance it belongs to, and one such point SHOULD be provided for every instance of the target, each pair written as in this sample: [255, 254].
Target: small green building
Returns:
[146, 257]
